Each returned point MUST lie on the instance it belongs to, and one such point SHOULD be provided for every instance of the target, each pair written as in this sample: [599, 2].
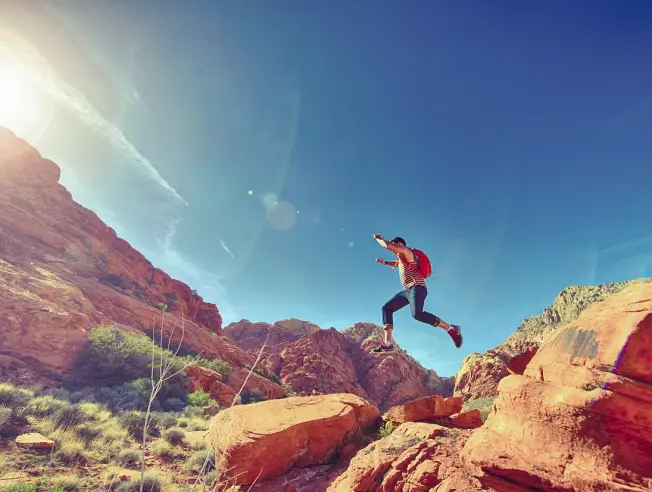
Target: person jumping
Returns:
[413, 268]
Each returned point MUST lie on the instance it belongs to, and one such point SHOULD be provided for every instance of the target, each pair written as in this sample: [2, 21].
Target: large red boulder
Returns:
[260, 441]
[580, 418]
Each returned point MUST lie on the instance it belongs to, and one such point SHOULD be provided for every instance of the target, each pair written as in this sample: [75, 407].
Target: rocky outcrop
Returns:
[580, 417]
[315, 361]
[261, 441]
[63, 271]
[424, 410]
[34, 440]
[480, 373]
[251, 336]
[204, 379]
[405, 461]
[241, 377]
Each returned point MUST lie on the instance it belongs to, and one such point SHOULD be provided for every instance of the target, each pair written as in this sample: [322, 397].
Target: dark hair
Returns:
[399, 239]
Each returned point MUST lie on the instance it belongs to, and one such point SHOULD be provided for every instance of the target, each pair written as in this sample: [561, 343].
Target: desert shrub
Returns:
[216, 365]
[87, 432]
[191, 412]
[14, 398]
[183, 422]
[151, 483]
[115, 357]
[485, 405]
[70, 452]
[253, 396]
[196, 461]
[197, 424]
[165, 450]
[173, 405]
[67, 416]
[57, 393]
[129, 458]
[66, 483]
[95, 411]
[134, 423]
[288, 390]
[117, 399]
[386, 429]
[174, 436]
[5, 422]
[21, 487]
[166, 419]
[200, 399]
[45, 406]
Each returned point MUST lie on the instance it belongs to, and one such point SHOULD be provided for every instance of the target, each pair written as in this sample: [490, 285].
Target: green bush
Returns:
[129, 458]
[216, 365]
[45, 406]
[68, 416]
[122, 363]
[386, 429]
[87, 432]
[196, 461]
[174, 436]
[14, 398]
[151, 483]
[134, 423]
[200, 399]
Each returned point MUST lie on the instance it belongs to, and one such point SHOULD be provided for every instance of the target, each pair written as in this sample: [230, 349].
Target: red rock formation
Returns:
[254, 382]
[261, 441]
[251, 336]
[201, 378]
[580, 417]
[480, 373]
[405, 462]
[424, 409]
[63, 271]
[329, 361]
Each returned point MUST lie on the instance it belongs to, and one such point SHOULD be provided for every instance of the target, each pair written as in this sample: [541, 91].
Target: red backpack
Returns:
[423, 263]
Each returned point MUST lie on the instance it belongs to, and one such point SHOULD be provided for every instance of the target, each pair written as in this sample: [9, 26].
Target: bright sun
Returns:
[22, 107]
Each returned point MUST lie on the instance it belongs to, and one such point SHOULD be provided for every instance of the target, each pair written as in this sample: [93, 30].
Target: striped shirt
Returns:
[409, 274]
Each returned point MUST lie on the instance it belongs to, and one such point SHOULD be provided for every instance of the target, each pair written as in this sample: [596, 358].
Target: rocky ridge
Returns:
[480, 373]
[321, 361]
[63, 271]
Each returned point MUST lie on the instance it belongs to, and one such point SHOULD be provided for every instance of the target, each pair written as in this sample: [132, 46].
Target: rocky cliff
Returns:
[63, 271]
[480, 373]
[316, 361]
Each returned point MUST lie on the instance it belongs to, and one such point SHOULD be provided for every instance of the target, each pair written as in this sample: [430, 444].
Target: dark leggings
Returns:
[415, 297]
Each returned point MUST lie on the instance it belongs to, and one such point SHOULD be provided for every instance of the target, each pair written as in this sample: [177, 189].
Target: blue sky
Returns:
[508, 140]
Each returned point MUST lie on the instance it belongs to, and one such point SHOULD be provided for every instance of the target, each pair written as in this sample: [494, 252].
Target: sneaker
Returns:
[455, 332]
[383, 348]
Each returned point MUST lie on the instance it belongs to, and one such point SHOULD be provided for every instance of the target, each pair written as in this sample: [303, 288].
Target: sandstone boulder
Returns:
[424, 409]
[580, 418]
[254, 382]
[263, 440]
[470, 419]
[34, 440]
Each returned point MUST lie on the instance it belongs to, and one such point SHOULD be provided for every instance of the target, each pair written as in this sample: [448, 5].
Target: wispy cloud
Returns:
[226, 248]
[36, 69]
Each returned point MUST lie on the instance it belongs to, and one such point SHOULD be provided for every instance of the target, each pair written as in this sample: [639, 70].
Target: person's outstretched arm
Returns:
[393, 264]
[393, 247]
